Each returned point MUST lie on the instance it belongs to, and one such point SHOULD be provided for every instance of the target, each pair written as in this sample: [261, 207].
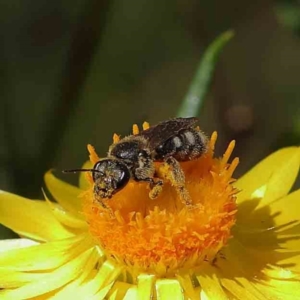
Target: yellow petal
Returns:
[83, 182]
[132, 294]
[96, 286]
[103, 280]
[203, 296]
[7, 245]
[281, 215]
[238, 271]
[278, 171]
[145, 286]
[188, 285]
[119, 290]
[269, 241]
[210, 283]
[272, 255]
[29, 218]
[169, 289]
[50, 281]
[287, 289]
[280, 293]
[284, 272]
[102, 293]
[81, 292]
[267, 259]
[242, 289]
[44, 256]
[65, 194]
[11, 278]
[238, 276]
[15, 279]
[81, 287]
[66, 218]
[242, 273]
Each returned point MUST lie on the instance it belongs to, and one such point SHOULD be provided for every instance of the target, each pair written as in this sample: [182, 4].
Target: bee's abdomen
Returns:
[186, 145]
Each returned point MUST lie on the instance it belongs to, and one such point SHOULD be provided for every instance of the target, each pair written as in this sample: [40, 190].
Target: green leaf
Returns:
[194, 98]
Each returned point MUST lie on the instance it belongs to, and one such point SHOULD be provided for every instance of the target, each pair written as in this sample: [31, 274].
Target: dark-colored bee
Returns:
[133, 157]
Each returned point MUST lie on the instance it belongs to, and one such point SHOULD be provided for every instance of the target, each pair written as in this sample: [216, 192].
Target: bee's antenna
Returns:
[82, 170]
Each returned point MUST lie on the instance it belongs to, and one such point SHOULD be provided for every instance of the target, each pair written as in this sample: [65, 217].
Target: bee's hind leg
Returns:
[173, 172]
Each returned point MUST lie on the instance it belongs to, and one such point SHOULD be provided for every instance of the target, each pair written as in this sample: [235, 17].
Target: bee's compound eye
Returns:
[99, 168]
[122, 175]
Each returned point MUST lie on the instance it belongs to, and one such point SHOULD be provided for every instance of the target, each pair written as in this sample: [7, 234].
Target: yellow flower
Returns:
[241, 240]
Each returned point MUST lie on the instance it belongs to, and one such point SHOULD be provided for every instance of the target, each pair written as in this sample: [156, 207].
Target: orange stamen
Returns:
[232, 168]
[213, 140]
[116, 138]
[135, 129]
[93, 155]
[146, 125]
[228, 153]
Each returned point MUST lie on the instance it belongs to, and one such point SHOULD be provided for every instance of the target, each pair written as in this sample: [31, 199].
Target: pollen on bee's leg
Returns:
[156, 189]
[171, 170]
[116, 138]
[184, 195]
[93, 155]
[135, 129]
[146, 125]
[106, 207]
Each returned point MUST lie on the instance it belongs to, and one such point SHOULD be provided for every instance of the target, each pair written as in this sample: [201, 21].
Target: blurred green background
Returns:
[75, 72]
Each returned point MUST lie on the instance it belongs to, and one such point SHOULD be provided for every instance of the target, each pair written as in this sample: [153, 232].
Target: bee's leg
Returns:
[99, 200]
[156, 188]
[173, 172]
[145, 172]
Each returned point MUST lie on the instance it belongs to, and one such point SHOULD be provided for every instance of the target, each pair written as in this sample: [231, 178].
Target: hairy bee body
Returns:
[186, 145]
[168, 142]
[135, 153]
[133, 157]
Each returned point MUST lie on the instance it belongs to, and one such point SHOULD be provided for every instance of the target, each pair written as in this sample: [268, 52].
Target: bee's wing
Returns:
[161, 132]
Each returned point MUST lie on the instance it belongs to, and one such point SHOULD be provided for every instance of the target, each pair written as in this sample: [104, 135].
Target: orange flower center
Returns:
[162, 236]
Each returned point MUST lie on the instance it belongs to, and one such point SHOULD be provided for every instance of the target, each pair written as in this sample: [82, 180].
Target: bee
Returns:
[132, 157]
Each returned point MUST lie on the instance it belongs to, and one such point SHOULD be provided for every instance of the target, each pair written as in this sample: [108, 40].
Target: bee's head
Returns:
[110, 176]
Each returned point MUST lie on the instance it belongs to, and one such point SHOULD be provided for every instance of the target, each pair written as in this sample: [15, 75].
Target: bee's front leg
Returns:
[99, 200]
[144, 174]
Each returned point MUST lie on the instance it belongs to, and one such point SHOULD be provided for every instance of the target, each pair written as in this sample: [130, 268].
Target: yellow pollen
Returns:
[162, 236]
